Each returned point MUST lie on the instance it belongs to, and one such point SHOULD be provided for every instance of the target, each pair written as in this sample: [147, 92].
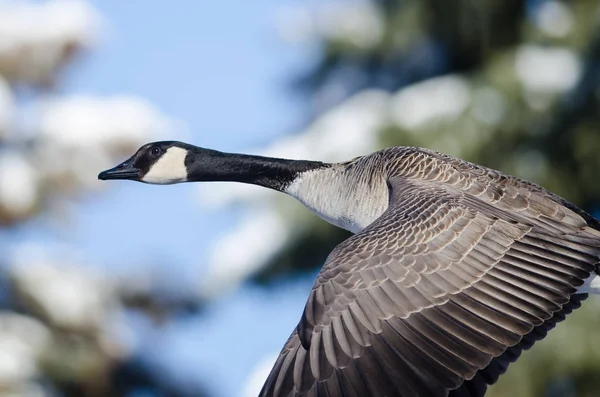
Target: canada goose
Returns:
[453, 269]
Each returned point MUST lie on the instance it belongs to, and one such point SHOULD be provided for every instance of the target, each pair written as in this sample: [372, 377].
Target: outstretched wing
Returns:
[446, 280]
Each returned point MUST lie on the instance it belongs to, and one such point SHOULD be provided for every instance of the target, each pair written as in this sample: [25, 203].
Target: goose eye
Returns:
[155, 151]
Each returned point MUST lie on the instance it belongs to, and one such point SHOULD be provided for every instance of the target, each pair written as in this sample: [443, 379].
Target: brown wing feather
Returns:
[437, 294]
[477, 386]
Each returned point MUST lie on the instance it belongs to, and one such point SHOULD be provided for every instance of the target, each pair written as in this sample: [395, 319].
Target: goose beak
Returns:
[125, 170]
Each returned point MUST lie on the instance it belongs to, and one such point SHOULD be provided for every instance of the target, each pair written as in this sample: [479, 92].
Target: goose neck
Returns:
[274, 173]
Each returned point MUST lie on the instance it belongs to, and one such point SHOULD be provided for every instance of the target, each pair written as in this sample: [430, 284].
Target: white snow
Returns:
[359, 23]
[434, 99]
[547, 69]
[22, 341]
[37, 38]
[116, 121]
[234, 257]
[554, 18]
[19, 191]
[63, 291]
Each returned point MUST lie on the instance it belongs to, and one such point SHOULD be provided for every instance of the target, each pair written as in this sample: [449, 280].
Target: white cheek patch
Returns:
[169, 168]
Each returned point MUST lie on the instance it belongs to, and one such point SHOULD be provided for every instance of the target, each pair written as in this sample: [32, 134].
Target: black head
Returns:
[157, 162]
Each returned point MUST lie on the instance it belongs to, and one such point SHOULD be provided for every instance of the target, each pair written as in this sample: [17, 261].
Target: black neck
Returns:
[213, 166]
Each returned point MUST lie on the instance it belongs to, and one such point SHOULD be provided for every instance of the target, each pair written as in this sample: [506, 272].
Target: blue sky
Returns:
[219, 67]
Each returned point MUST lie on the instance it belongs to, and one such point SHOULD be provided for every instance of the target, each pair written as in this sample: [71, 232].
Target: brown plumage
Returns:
[465, 269]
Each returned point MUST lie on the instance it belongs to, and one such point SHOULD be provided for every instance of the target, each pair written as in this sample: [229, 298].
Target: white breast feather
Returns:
[338, 199]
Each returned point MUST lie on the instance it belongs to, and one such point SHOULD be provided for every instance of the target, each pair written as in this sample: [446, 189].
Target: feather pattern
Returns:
[442, 289]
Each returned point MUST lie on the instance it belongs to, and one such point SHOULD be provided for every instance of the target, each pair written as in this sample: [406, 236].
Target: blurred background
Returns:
[123, 289]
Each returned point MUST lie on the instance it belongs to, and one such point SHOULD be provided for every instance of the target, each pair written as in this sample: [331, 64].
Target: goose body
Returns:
[453, 269]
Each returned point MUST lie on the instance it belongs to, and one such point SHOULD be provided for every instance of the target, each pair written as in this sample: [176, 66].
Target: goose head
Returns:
[159, 163]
